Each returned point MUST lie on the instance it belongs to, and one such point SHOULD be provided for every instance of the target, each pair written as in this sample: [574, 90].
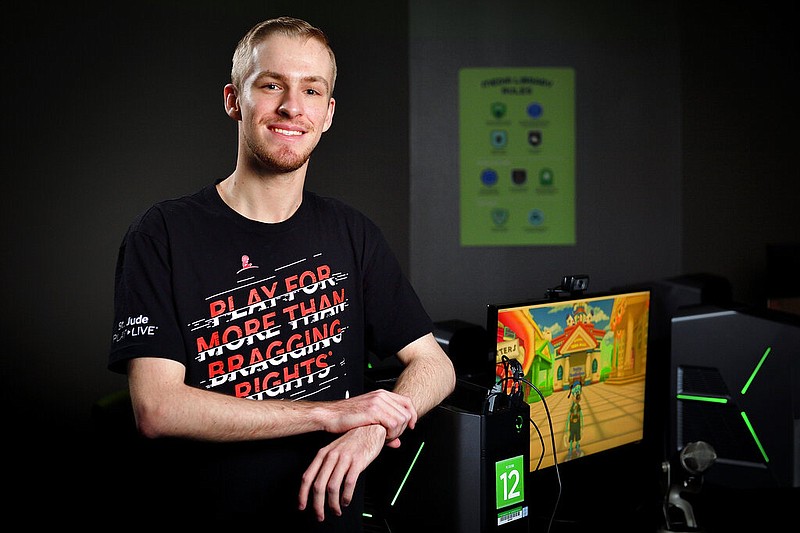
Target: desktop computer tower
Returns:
[461, 470]
[735, 376]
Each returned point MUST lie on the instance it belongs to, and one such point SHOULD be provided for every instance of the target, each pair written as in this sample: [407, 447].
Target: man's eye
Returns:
[271, 86]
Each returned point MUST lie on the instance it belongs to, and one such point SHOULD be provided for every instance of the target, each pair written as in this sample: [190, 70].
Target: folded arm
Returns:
[427, 379]
[164, 406]
[428, 376]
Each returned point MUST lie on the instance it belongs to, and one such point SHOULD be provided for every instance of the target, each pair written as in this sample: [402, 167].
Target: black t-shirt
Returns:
[262, 311]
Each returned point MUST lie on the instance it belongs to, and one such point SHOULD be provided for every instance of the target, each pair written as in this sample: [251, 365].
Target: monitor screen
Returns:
[584, 360]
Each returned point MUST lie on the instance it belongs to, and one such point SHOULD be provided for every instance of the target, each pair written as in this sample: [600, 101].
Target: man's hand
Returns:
[333, 473]
[393, 411]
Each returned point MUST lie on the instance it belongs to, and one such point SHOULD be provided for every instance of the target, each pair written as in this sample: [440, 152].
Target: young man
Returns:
[244, 312]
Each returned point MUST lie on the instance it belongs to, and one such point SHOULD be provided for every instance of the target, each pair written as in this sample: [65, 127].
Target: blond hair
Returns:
[289, 26]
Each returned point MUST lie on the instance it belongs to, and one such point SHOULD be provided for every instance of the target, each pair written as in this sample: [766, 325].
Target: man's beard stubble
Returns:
[284, 161]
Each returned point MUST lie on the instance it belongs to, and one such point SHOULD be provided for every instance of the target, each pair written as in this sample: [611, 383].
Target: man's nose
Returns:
[290, 105]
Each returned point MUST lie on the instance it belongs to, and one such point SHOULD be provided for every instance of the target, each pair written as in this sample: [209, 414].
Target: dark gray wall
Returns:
[685, 126]
[685, 123]
[628, 141]
[740, 184]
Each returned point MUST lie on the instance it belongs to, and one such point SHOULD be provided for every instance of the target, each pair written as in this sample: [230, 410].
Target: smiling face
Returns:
[284, 104]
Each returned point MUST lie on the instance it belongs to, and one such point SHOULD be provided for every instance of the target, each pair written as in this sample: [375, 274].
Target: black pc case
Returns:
[461, 470]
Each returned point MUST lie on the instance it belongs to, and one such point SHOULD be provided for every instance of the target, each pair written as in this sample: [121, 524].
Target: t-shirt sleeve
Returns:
[395, 315]
[145, 322]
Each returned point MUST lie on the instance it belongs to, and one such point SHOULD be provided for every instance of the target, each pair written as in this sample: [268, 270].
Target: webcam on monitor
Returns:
[574, 284]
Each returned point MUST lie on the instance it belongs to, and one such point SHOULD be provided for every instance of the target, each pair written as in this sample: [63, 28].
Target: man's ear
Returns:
[232, 102]
[329, 116]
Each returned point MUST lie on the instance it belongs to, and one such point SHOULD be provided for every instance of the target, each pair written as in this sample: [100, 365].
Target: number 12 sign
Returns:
[509, 481]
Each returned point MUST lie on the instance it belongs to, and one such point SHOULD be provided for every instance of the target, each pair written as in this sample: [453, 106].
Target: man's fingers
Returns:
[307, 480]
[334, 471]
[321, 488]
[393, 411]
[331, 486]
[397, 413]
[349, 487]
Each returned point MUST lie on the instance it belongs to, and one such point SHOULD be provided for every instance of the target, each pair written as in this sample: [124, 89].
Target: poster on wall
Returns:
[517, 156]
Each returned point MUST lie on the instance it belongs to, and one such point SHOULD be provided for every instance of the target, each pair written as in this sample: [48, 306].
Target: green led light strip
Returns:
[411, 466]
[746, 420]
[696, 398]
[758, 367]
[755, 438]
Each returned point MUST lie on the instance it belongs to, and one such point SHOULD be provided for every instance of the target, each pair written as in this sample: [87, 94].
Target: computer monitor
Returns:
[584, 361]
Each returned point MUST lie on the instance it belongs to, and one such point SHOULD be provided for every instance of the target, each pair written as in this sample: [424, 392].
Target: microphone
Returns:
[696, 457]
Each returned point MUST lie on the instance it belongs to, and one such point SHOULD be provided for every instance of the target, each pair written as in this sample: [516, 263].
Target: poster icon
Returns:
[535, 217]
[498, 110]
[499, 138]
[499, 216]
[546, 177]
[535, 110]
[489, 177]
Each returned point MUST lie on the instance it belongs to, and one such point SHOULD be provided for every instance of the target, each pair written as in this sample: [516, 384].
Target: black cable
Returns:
[541, 442]
[512, 371]
[553, 443]
[513, 368]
